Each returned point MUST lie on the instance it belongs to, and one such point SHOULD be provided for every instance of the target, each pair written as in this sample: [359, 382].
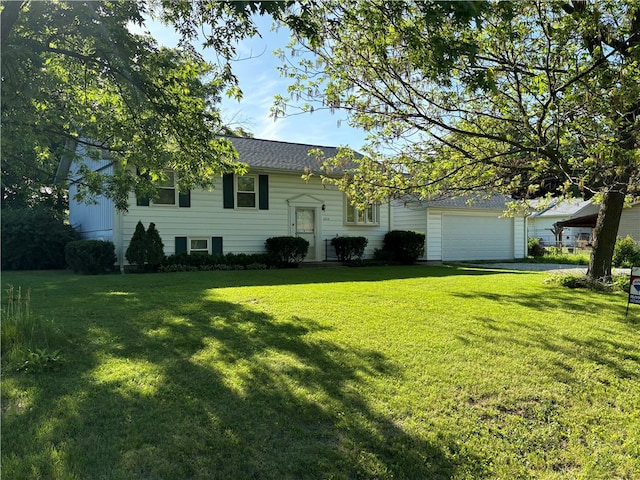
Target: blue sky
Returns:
[260, 82]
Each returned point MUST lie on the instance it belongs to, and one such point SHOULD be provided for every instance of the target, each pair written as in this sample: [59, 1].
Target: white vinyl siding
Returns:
[434, 235]
[244, 230]
[519, 238]
[630, 223]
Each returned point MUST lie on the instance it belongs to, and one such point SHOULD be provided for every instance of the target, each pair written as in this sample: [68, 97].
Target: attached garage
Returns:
[459, 230]
[476, 237]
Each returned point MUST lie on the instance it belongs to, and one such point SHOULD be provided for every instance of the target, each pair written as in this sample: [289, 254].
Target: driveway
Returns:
[545, 267]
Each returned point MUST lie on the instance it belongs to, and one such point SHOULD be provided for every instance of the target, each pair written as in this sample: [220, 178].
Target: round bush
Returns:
[349, 248]
[287, 251]
[91, 256]
[626, 253]
[534, 249]
[404, 246]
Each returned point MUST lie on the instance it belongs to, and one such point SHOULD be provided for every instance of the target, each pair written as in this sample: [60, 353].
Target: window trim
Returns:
[255, 192]
[375, 211]
[175, 192]
[191, 239]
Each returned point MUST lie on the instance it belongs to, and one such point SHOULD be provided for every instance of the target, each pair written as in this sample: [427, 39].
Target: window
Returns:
[369, 216]
[166, 190]
[198, 245]
[246, 192]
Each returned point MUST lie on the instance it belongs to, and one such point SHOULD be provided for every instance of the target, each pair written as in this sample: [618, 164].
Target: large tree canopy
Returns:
[73, 73]
[522, 98]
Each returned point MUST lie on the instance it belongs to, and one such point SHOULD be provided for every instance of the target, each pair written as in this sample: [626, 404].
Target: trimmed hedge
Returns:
[34, 238]
[349, 248]
[287, 251]
[184, 262]
[402, 246]
[90, 256]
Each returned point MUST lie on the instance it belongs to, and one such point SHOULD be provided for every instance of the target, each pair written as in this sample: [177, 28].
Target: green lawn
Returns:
[344, 373]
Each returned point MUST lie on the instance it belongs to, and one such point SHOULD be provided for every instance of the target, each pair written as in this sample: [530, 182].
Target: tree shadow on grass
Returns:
[211, 389]
[554, 299]
[55, 281]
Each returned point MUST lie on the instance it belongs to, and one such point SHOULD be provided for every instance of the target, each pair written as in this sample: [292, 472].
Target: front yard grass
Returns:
[385, 372]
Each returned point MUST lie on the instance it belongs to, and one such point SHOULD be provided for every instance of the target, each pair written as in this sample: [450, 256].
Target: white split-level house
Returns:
[240, 212]
[272, 199]
[458, 229]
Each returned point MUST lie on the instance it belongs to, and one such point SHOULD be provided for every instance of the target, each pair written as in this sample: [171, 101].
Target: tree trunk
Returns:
[605, 235]
[8, 18]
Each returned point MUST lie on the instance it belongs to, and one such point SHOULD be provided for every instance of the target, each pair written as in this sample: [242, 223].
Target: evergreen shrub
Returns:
[145, 249]
[287, 251]
[137, 250]
[90, 256]
[402, 246]
[348, 248]
[154, 248]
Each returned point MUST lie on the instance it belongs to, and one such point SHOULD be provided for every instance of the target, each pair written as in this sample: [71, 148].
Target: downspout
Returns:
[120, 239]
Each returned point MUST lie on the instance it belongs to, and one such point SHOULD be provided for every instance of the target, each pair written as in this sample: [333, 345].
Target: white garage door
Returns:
[477, 237]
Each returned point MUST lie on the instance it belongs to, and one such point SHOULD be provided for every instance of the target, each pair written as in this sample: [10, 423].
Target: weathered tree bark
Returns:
[605, 235]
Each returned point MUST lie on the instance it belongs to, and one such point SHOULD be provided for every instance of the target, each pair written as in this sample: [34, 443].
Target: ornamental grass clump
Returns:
[26, 338]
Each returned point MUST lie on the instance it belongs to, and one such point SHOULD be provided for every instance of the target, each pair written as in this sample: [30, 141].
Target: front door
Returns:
[306, 228]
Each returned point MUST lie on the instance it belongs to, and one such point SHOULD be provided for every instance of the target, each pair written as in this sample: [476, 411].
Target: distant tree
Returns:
[34, 238]
[136, 253]
[154, 247]
[74, 75]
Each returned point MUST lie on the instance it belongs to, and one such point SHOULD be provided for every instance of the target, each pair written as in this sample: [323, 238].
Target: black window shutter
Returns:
[141, 201]
[227, 190]
[263, 191]
[181, 245]
[184, 199]
[216, 245]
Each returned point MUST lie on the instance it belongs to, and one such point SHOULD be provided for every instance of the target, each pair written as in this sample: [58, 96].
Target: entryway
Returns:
[305, 227]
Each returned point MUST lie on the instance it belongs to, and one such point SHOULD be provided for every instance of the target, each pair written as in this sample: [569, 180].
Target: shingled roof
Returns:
[481, 202]
[275, 155]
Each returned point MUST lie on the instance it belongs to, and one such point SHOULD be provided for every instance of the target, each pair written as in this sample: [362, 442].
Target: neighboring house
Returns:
[241, 212]
[630, 222]
[459, 229]
[541, 223]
